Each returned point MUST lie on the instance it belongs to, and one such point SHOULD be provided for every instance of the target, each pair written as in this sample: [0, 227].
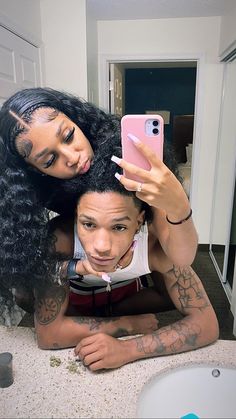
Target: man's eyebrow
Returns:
[116, 220]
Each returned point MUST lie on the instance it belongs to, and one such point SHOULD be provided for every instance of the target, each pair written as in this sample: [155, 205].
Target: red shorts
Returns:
[87, 304]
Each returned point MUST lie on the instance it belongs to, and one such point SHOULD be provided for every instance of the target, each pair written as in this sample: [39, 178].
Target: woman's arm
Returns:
[172, 213]
[179, 242]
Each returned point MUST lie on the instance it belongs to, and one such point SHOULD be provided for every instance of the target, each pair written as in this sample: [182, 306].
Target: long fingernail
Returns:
[117, 175]
[106, 278]
[133, 138]
[116, 159]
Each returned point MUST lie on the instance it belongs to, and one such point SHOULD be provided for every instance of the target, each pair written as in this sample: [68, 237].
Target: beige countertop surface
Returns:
[72, 391]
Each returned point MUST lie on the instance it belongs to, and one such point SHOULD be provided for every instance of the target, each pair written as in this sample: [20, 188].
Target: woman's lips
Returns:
[85, 167]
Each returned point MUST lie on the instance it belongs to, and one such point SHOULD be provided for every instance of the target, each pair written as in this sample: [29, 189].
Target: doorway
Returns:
[162, 87]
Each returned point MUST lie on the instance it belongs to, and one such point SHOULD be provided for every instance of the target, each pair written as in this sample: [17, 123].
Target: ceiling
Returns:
[157, 9]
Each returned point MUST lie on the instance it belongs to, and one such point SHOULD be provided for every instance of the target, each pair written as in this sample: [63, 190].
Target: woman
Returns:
[49, 138]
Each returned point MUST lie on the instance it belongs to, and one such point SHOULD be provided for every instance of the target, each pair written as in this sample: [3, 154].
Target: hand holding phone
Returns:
[144, 171]
[149, 130]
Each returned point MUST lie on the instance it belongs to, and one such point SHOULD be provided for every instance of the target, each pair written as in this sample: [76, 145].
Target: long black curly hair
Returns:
[26, 197]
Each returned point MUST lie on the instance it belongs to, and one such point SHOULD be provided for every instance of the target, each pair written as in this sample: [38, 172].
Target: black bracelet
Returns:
[181, 221]
[71, 270]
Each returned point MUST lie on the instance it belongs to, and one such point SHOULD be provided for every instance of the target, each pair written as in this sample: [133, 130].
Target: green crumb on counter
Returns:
[72, 367]
[54, 361]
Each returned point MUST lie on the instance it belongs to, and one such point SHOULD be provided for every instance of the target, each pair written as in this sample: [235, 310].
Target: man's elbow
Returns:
[46, 343]
[47, 337]
[212, 328]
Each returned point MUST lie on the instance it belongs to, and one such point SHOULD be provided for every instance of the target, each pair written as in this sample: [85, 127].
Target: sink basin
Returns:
[196, 391]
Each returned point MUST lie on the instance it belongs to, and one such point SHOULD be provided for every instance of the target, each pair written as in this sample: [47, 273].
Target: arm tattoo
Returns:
[49, 305]
[189, 293]
[95, 323]
[172, 339]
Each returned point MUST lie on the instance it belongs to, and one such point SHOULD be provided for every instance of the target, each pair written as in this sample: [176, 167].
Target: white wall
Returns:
[92, 58]
[228, 30]
[25, 14]
[176, 37]
[64, 37]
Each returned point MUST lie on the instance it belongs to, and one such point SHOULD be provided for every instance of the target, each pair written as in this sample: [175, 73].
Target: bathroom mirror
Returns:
[224, 176]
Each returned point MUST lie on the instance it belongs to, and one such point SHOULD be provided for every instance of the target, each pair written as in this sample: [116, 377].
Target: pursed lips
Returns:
[84, 167]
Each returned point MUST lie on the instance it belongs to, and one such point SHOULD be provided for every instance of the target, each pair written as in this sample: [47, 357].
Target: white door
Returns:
[116, 89]
[19, 64]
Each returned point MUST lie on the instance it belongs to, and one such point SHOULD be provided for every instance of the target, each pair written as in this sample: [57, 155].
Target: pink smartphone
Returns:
[148, 129]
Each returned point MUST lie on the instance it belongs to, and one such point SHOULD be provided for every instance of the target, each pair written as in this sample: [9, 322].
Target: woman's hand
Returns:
[158, 187]
[83, 267]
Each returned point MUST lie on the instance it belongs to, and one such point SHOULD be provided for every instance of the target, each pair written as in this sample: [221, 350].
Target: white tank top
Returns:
[138, 266]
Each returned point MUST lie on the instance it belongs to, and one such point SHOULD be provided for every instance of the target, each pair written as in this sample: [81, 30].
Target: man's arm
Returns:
[198, 328]
[55, 330]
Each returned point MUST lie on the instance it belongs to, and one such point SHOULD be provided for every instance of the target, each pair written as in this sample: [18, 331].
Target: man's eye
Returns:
[47, 164]
[120, 228]
[89, 226]
[69, 137]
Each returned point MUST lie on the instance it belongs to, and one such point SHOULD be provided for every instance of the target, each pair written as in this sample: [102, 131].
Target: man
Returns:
[115, 241]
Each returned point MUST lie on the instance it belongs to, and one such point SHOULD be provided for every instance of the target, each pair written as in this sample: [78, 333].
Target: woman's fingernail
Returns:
[117, 175]
[134, 244]
[133, 138]
[116, 159]
[106, 278]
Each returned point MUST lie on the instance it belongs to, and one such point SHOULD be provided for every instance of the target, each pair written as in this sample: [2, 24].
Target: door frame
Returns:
[103, 83]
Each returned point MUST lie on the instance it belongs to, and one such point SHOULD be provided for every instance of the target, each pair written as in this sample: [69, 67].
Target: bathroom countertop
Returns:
[69, 390]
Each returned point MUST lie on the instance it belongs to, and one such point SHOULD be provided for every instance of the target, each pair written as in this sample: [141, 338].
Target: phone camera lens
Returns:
[155, 131]
[155, 123]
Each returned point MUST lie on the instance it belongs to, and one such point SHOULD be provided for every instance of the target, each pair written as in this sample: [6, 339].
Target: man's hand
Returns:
[142, 323]
[102, 352]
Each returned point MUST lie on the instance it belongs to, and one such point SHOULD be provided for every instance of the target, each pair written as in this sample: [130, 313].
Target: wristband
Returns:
[71, 270]
[181, 221]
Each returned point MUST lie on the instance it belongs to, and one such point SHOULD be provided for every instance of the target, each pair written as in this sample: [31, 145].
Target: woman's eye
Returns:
[120, 228]
[69, 137]
[47, 164]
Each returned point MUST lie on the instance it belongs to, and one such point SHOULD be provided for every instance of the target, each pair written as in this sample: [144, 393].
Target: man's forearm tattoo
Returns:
[95, 323]
[171, 339]
[189, 291]
[48, 304]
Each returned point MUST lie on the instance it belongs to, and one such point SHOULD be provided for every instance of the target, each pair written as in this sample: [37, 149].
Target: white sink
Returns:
[196, 391]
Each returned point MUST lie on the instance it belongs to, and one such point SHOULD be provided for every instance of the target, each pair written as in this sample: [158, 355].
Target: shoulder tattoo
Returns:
[49, 305]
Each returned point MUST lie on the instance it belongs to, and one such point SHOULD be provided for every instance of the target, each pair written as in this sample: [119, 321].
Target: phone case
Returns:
[142, 127]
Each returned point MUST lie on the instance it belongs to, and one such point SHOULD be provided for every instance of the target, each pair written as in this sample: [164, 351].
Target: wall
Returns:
[64, 37]
[180, 37]
[171, 89]
[228, 30]
[25, 14]
[92, 58]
